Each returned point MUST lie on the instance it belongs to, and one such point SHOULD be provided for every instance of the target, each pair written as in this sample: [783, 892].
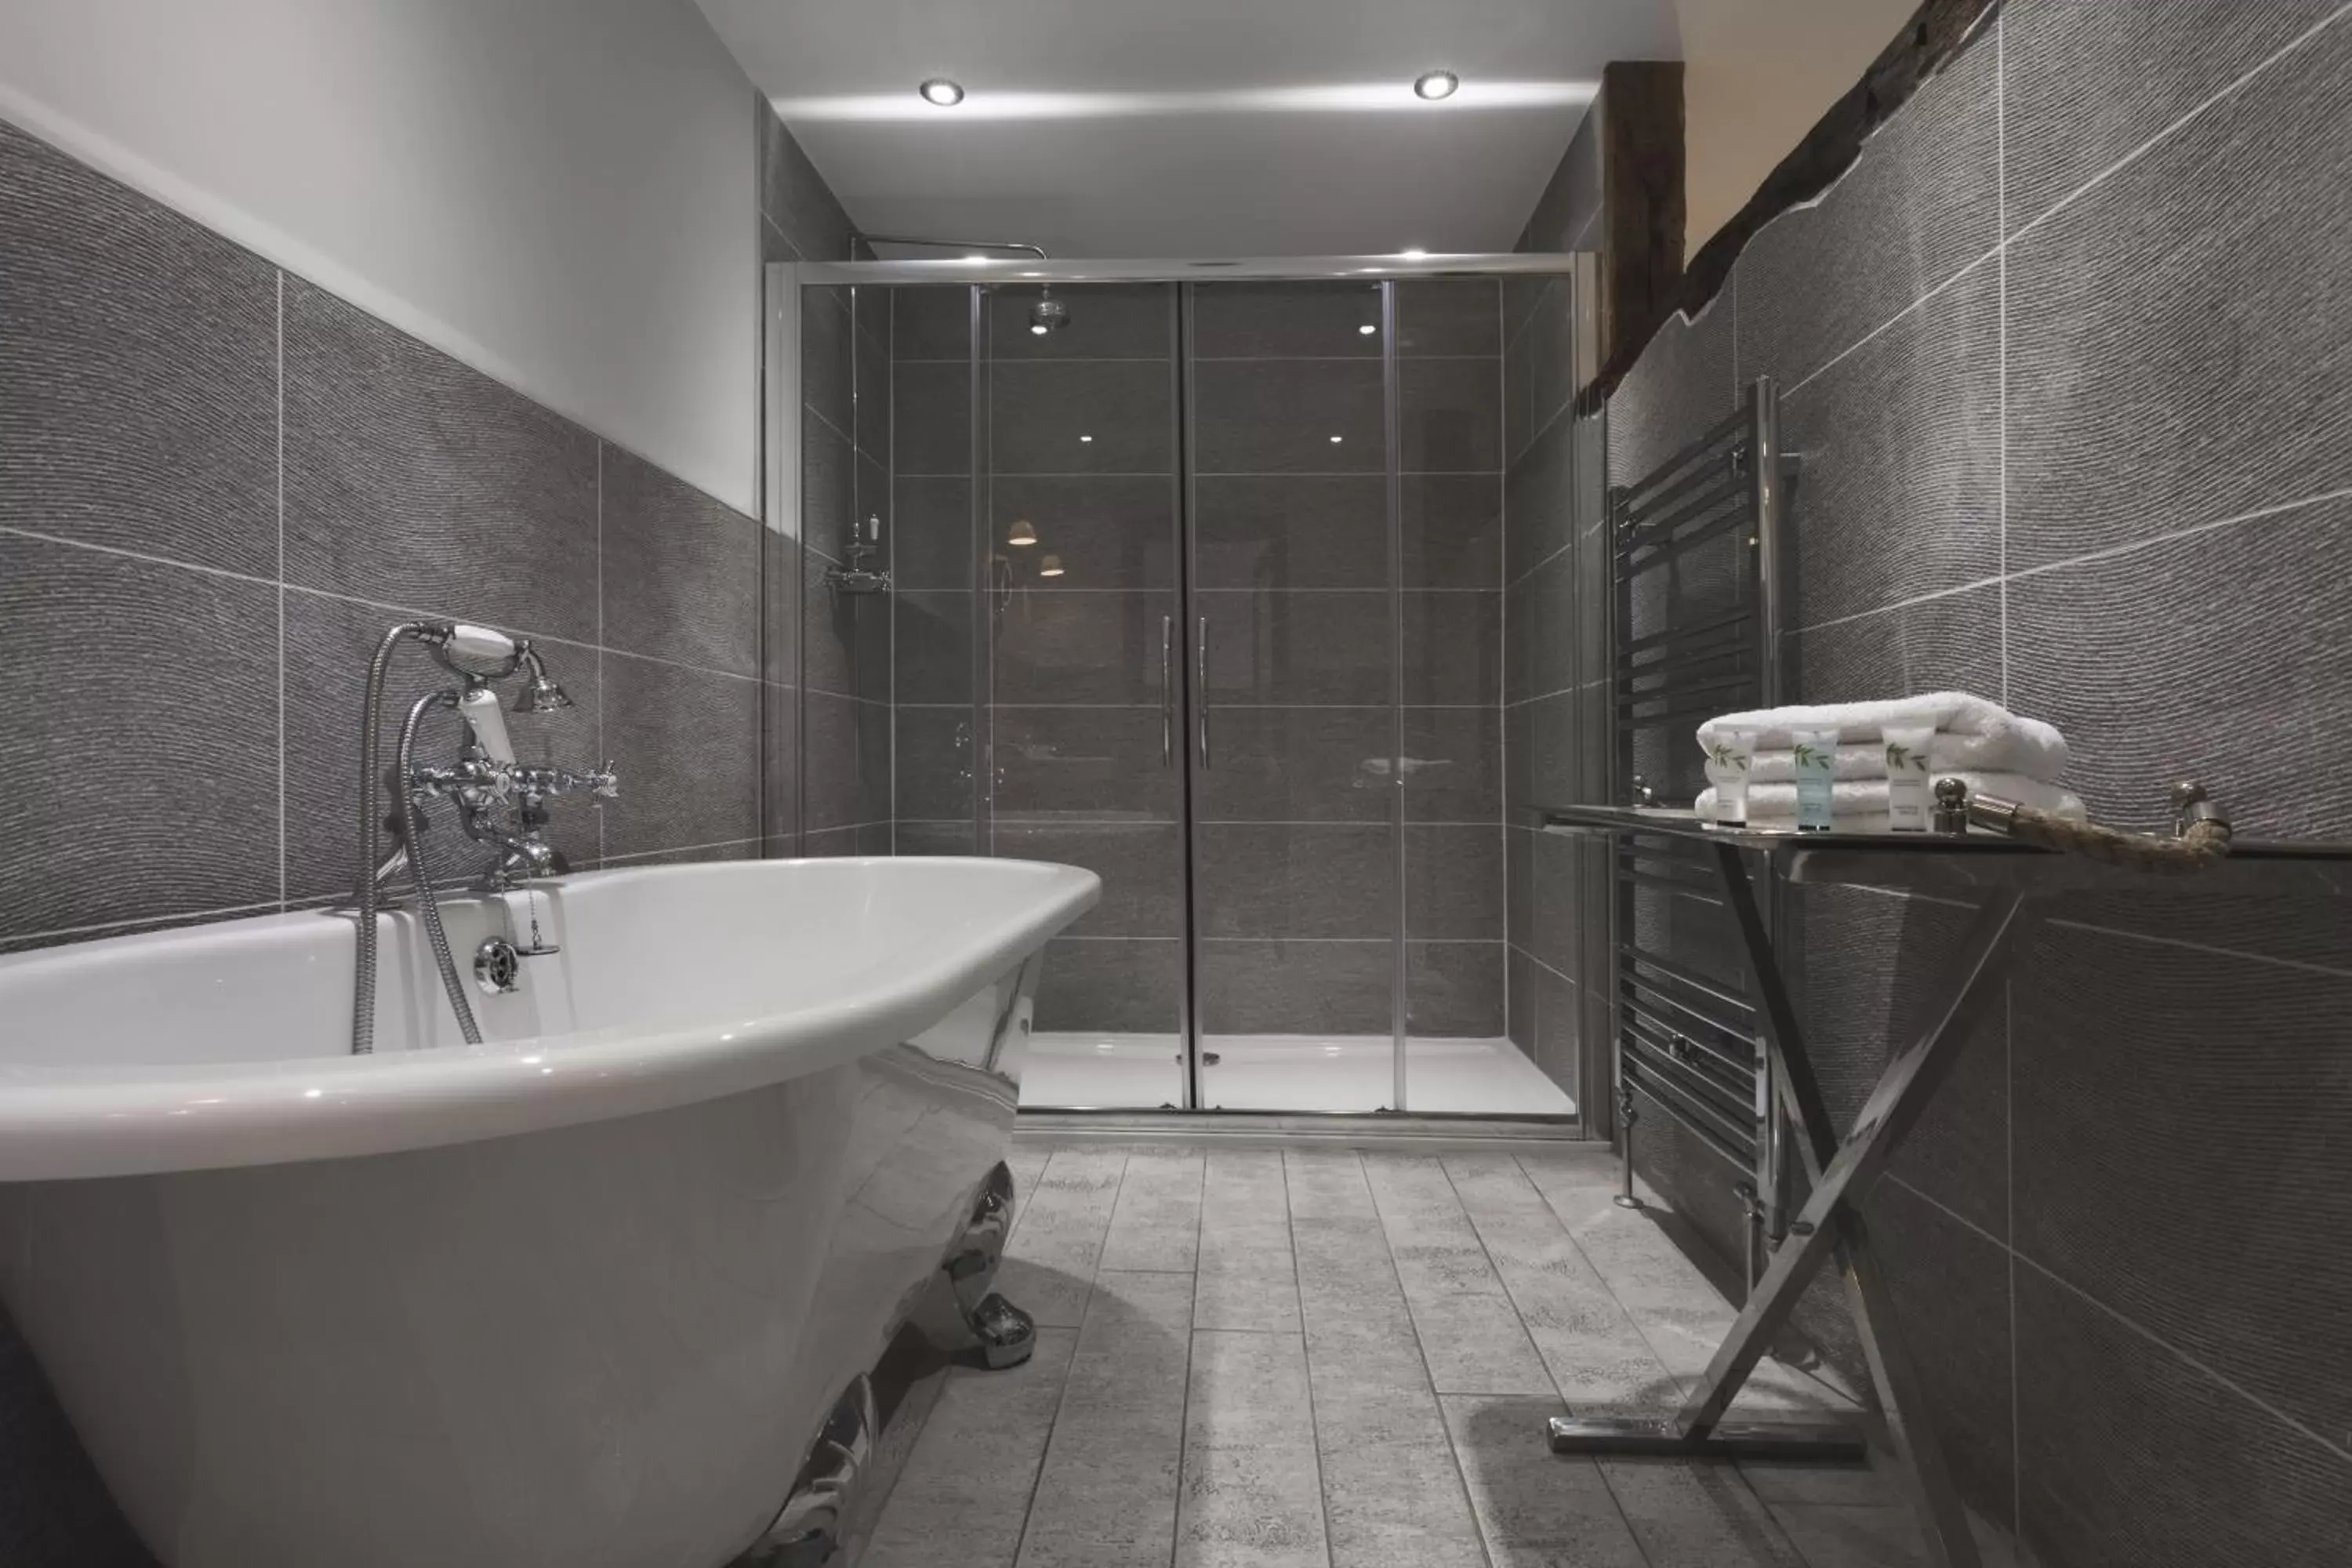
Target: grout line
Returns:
[2175, 535]
[2001, 315]
[600, 702]
[116, 550]
[678, 849]
[2009, 1163]
[133, 927]
[1305, 1352]
[1192, 1333]
[2304, 965]
[2151, 1337]
[281, 585]
[1884, 326]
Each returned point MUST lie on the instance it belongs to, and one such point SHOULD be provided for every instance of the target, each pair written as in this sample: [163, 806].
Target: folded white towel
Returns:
[1973, 734]
[1946, 754]
[1859, 806]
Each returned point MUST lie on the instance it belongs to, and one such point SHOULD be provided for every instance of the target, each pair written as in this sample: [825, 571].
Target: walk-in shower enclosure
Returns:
[1196, 583]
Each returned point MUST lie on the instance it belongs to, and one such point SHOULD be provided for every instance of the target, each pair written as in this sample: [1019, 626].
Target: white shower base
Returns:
[1285, 1072]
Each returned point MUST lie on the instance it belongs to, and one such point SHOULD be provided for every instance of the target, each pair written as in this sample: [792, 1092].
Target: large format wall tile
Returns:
[1453, 764]
[931, 322]
[2198, 1474]
[2226, 685]
[1449, 416]
[1300, 648]
[1452, 647]
[685, 744]
[1539, 498]
[931, 653]
[1901, 489]
[2153, 64]
[1283, 531]
[1287, 416]
[139, 729]
[1922, 201]
[933, 763]
[1682, 385]
[1452, 528]
[138, 371]
[1142, 864]
[932, 544]
[1298, 765]
[828, 370]
[682, 571]
[1107, 320]
[845, 761]
[1449, 318]
[1454, 989]
[412, 481]
[1082, 764]
[1114, 985]
[1110, 531]
[1099, 648]
[1287, 321]
[1101, 416]
[933, 413]
[2176, 346]
[1295, 881]
[2181, 1139]
[794, 196]
[845, 637]
[1274, 987]
[1453, 882]
[1948, 644]
[328, 644]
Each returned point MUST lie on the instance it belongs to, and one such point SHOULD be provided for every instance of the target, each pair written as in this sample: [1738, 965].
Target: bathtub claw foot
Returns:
[1007, 1335]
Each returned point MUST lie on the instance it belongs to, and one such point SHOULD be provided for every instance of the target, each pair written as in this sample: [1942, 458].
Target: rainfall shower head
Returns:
[1048, 314]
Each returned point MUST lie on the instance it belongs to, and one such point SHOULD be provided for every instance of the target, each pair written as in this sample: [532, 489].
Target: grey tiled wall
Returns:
[2065, 357]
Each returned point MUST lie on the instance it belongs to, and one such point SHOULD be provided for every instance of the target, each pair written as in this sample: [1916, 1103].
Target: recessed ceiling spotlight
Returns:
[946, 94]
[1368, 329]
[1431, 85]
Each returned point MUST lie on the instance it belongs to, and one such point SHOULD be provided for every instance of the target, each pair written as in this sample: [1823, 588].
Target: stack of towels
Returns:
[1977, 741]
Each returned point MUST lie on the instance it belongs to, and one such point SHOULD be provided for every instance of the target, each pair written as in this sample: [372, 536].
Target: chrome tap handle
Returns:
[605, 783]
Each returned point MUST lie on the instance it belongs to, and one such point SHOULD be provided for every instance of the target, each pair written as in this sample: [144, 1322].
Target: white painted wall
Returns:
[561, 193]
[1755, 79]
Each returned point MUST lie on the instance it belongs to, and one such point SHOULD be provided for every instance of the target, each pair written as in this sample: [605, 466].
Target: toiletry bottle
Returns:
[1907, 779]
[1728, 760]
[1815, 754]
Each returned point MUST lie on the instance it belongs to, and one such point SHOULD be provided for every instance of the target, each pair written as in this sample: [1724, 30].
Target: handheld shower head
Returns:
[1048, 314]
[540, 693]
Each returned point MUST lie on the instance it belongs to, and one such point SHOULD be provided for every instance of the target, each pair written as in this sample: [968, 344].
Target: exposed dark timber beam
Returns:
[1641, 200]
[1937, 31]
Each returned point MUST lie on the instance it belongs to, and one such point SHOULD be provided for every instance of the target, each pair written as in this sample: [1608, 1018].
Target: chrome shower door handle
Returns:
[1167, 691]
[1201, 694]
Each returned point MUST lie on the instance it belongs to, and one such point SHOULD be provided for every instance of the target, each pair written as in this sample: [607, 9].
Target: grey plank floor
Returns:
[1279, 1358]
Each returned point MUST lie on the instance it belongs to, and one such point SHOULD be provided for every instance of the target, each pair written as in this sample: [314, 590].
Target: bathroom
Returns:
[1028, 940]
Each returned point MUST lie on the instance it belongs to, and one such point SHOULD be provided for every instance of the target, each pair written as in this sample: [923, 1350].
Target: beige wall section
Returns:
[1757, 74]
[560, 192]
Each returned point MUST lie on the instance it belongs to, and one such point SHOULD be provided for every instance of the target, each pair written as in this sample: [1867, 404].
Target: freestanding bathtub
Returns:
[581, 1295]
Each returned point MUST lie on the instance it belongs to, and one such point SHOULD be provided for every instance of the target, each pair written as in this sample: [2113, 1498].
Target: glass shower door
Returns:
[1297, 906]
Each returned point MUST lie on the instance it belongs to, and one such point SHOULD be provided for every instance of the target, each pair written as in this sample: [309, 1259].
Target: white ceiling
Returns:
[1182, 128]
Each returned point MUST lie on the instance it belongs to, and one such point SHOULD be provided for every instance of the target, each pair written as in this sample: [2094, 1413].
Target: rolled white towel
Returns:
[1859, 806]
[1974, 734]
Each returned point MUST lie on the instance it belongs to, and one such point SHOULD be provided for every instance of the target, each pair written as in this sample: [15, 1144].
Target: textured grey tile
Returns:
[1449, 416]
[1452, 528]
[139, 735]
[1102, 416]
[933, 545]
[1692, 1514]
[1050, 1258]
[1453, 764]
[830, 843]
[933, 839]
[933, 763]
[1682, 385]
[138, 373]
[874, 402]
[1553, 925]
[845, 760]
[1107, 1490]
[1110, 532]
[1298, 765]
[1288, 530]
[1281, 416]
[2171, 1110]
[704, 854]
[2206, 1478]
[2132, 325]
[1552, 352]
[1117, 986]
[872, 509]
[1900, 494]
[682, 571]
[1872, 972]
[1253, 1495]
[780, 607]
[1453, 882]
[2152, 63]
[1142, 864]
[932, 656]
[1540, 494]
[1155, 1225]
[1454, 989]
[1570, 201]
[1950, 644]
[1450, 318]
[794, 196]
[1469, 1330]
[1519, 1014]
[931, 418]
[328, 644]
[965, 1494]
[1559, 1030]
[1249, 1278]
[1107, 320]
[1274, 988]
[1081, 647]
[1543, 631]
[1295, 881]
[1452, 647]
[780, 792]
[1396, 1505]
[1597, 1356]
[1054, 763]
[1922, 201]
[1306, 648]
[1274, 321]
[685, 745]
[828, 490]
[413, 480]
[2147, 697]
[1535, 1508]
[932, 321]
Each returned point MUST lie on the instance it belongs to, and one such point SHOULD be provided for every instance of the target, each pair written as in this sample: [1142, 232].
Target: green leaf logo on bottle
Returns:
[1806, 755]
[1901, 757]
[1723, 756]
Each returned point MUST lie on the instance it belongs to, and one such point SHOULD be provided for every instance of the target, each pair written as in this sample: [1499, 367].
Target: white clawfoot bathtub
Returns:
[580, 1294]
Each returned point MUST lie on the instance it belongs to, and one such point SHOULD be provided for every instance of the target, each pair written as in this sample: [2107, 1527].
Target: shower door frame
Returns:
[980, 275]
